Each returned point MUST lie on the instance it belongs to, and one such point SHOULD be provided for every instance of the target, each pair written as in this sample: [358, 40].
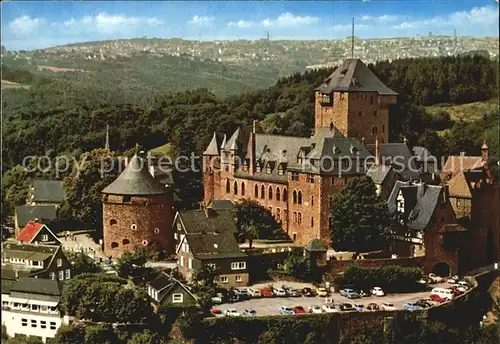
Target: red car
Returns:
[455, 291]
[266, 293]
[299, 310]
[215, 311]
[437, 298]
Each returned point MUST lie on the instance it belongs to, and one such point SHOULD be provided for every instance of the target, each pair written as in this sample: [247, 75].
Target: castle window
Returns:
[243, 188]
[299, 197]
[278, 194]
[295, 176]
[326, 98]
[235, 188]
[226, 168]
[262, 192]
[157, 230]
[278, 214]
[374, 130]
[331, 201]
[312, 221]
[127, 199]
[285, 195]
[360, 112]
[114, 244]
[294, 197]
[144, 243]
[294, 217]
[310, 178]
[125, 242]
[299, 218]
[312, 200]
[133, 226]
[270, 193]
[228, 186]
[375, 112]
[256, 191]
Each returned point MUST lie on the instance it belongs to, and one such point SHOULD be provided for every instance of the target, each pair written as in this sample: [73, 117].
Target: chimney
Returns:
[254, 126]
[405, 140]
[377, 151]
[17, 274]
[363, 141]
[251, 151]
[446, 193]
[484, 152]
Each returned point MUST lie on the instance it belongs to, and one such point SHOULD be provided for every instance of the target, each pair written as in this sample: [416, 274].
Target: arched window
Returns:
[278, 194]
[243, 188]
[262, 192]
[270, 193]
[312, 200]
[374, 130]
[299, 197]
[114, 244]
[285, 195]
[235, 188]
[294, 196]
[256, 191]
[112, 222]
[228, 186]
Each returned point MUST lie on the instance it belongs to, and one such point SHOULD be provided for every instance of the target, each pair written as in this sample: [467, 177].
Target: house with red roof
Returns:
[36, 232]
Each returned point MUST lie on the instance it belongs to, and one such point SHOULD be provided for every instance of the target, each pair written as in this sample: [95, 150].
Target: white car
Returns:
[453, 280]
[436, 279]
[377, 291]
[388, 306]
[279, 292]
[330, 308]
[315, 309]
[254, 292]
[231, 312]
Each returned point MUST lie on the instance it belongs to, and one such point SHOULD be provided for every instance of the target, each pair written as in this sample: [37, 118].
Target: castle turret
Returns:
[137, 211]
[211, 169]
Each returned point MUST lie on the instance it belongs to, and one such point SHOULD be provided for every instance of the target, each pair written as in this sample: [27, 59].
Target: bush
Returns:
[391, 278]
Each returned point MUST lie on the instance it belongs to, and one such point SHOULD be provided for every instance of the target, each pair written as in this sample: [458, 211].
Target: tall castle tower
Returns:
[356, 102]
[137, 211]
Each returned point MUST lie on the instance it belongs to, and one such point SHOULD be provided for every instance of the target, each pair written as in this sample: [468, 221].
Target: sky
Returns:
[32, 25]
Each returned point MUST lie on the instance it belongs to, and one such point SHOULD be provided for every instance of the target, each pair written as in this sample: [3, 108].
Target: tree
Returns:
[83, 186]
[146, 337]
[82, 263]
[130, 263]
[256, 222]
[361, 219]
[298, 265]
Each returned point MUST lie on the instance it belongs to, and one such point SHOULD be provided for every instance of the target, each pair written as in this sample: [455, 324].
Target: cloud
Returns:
[25, 24]
[383, 19]
[106, 24]
[284, 20]
[201, 20]
[482, 16]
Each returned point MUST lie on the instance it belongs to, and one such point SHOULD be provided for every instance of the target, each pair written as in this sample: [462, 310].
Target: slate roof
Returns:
[164, 283]
[423, 211]
[47, 191]
[213, 147]
[422, 153]
[400, 157]
[28, 251]
[354, 76]
[221, 204]
[211, 233]
[40, 286]
[26, 213]
[135, 180]
[316, 245]
[378, 173]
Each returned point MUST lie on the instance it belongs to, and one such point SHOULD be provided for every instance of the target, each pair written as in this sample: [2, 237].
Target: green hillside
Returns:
[465, 112]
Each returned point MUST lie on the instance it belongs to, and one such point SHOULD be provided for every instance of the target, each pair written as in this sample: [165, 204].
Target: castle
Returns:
[296, 178]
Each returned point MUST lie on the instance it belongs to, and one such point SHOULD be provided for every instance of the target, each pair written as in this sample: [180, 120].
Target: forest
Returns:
[61, 116]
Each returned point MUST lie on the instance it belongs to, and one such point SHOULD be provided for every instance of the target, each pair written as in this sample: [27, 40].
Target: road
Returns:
[270, 306]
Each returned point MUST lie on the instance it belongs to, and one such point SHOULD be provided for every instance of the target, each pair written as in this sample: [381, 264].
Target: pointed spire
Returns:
[234, 145]
[223, 145]
[106, 144]
[212, 148]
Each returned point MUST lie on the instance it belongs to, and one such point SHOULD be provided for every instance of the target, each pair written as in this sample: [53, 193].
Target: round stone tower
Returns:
[137, 211]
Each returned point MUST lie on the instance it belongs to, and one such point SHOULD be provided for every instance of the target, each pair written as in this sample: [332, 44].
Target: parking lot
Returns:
[270, 306]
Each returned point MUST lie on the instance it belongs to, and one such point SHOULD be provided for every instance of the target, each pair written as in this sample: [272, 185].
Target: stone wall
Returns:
[335, 267]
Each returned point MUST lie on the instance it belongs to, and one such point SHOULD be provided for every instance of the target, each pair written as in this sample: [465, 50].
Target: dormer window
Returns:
[268, 169]
[335, 149]
[258, 168]
[299, 160]
[280, 170]
[354, 150]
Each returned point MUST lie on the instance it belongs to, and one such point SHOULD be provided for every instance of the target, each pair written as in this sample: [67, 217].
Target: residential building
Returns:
[46, 192]
[36, 232]
[31, 307]
[384, 176]
[207, 237]
[34, 260]
[137, 211]
[26, 213]
[167, 292]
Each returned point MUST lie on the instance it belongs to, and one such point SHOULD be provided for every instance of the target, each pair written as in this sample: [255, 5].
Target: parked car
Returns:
[445, 293]
[363, 294]
[315, 309]
[359, 307]
[254, 292]
[412, 306]
[372, 307]
[329, 308]
[424, 281]
[308, 292]
[249, 313]
[233, 296]
[455, 291]
[244, 294]
[436, 279]
[453, 279]
[346, 307]
[431, 302]
[279, 292]
[388, 306]
[266, 292]
[423, 303]
[285, 310]
[231, 312]
[322, 292]
[464, 283]
[218, 299]
[437, 298]
[349, 293]
[292, 292]
[216, 311]
[298, 310]
[377, 291]
[462, 288]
